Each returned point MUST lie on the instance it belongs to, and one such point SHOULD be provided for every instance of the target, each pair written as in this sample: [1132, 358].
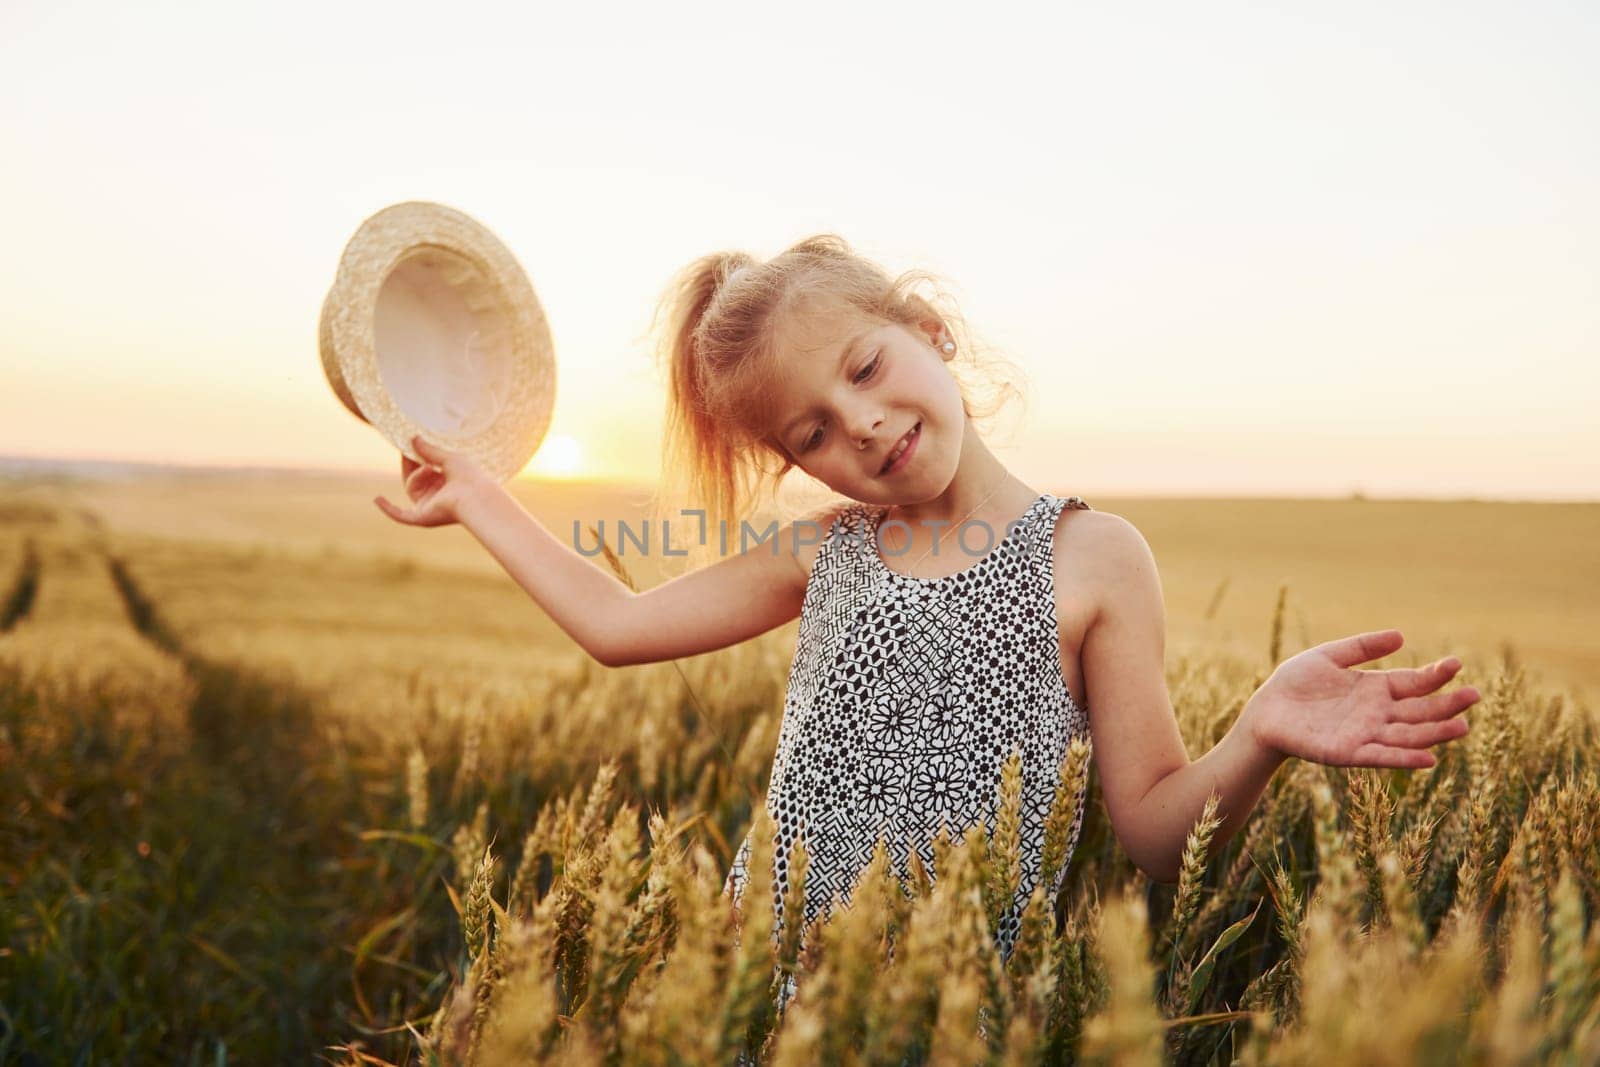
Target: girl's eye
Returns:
[866, 372]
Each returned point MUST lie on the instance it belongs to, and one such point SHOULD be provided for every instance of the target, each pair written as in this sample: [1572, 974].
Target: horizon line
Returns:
[14, 464]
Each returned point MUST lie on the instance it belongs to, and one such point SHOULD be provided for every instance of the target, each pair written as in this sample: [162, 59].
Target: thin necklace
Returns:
[940, 535]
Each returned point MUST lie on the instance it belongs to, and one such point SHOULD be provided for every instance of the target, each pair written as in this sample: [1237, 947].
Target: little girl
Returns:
[950, 615]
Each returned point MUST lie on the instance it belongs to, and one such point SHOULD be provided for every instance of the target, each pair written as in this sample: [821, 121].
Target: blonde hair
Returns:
[722, 314]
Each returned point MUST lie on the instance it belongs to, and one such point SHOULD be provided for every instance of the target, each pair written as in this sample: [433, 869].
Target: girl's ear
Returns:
[929, 324]
[938, 337]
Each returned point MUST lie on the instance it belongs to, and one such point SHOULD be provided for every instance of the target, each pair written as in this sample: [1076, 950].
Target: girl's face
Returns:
[854, 390]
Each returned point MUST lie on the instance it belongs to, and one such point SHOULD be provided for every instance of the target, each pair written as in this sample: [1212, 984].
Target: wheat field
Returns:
[280, 782]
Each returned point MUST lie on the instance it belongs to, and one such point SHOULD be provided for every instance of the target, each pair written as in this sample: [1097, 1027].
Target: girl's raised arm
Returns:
[707, 609]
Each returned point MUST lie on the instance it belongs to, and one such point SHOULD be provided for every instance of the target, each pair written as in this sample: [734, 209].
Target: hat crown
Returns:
[432, 327]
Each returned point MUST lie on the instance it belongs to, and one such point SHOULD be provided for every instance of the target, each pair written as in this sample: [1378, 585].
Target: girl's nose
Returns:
[865, 430]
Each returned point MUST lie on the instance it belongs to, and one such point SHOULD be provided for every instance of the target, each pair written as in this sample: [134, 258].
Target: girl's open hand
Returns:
[438, 489]
[1318, 707]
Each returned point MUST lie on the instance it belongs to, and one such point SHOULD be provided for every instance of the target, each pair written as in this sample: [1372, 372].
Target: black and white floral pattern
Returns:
[945, 717]
[906, 695]
[882, 786]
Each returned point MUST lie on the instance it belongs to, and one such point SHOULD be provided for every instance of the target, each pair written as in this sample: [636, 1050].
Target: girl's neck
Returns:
[981, 489]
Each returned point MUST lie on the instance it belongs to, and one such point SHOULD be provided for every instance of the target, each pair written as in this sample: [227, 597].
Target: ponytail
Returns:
[699, 458]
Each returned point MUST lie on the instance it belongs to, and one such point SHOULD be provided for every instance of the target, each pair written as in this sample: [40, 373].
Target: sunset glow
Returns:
[1233, 250]
[559, 457]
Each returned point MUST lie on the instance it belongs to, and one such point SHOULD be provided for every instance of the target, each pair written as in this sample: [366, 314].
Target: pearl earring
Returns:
[949, 346]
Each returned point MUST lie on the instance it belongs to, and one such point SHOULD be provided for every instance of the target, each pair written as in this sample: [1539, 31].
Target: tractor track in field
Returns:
[260, 726]
[24, 587]
[248, 833]
[258, 771]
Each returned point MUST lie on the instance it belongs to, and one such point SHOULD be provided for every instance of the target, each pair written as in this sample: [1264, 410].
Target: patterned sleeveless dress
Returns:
[905, 697]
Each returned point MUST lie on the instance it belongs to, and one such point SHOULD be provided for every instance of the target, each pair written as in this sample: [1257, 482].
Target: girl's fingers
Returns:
[1422, 734]
[1379, 755]
[398, 514]
[1454, 702]
[1363, 648]
[1416, 681]
[1435, 707]
[428, 450]
[414, 480]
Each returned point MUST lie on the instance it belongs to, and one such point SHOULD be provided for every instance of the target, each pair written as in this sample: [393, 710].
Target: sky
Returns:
[1297, 250]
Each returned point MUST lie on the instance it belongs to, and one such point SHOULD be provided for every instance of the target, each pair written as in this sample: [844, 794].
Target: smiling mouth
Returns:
[901, 448]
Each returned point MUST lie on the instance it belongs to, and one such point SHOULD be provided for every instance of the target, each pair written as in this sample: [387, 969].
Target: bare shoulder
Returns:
[1098, 554]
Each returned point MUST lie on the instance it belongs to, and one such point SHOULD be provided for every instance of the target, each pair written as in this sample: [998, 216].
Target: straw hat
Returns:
[432, 328]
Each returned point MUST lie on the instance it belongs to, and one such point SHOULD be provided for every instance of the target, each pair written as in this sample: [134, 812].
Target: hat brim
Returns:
[395, 384]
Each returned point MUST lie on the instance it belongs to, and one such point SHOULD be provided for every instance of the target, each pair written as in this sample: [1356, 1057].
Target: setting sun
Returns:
[559, 457]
